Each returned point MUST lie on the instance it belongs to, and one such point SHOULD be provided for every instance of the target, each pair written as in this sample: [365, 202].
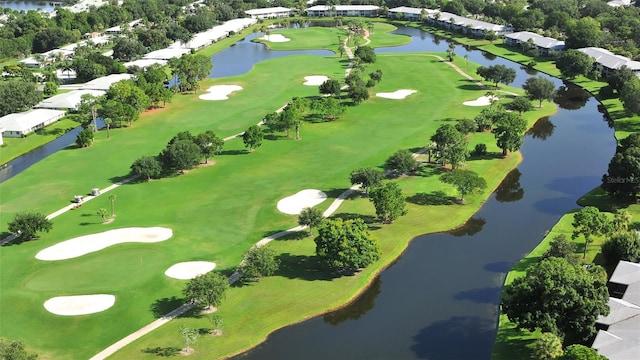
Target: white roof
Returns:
[619, 310]
[476, 24]
[143, 63]
[343, 7]
[27, 120]
[264, 11]
[167, 53]
[610, 60]
[411, 10]
[57, 52]
[30, 60]
[69, 100]
[626, 273]
[105, 82]
[538, 40]
[237, 24]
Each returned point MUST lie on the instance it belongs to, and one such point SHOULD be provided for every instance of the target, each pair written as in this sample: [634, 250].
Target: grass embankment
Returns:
[15, 147]
[218, 212]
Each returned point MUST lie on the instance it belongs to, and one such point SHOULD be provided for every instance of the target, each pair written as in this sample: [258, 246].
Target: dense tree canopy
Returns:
[346, 245]
[253, 137]
[573, 63]
[367, 178]
[208, 289]
[14, 350]
[401, 162]
[497, 74]
[16, 96]
[588, 222]
[147, 166]
[623, 245]
[27, 224]
[181, 155]
[258, 262]
[389, 201]
[558, 297]
[466, 181]
[508, 132]
[539, 88]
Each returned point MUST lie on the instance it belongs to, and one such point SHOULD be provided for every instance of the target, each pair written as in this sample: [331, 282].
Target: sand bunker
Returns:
[219, 92]
[396, 95]
[94, 242]
[481, 101]
[294, 204]
[79, 305]
[315, 80]
[275, 38]
[189, 270]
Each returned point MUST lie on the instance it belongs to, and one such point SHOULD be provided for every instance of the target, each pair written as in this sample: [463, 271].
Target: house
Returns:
[105, 82]
[237, 25]
[67, 101]
[32, 62]
[343, 10]
[465, 25]
[619, 3]
[409, 13]
[175, 50]
[144, 63]
[618, 335]
[24, 123]
[606, 61]
[269, 13]
[545, 46]
[117, 30]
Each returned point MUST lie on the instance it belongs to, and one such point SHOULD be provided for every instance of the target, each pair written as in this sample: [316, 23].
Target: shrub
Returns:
[480, 149]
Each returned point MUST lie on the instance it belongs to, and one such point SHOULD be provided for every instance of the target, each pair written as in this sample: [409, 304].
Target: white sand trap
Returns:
[189, 270]
[94, 242]
[220, 92]
[315, 80]
[275, 38]
[481, 101]
[396, 95]
[79, 305]
[294, 204]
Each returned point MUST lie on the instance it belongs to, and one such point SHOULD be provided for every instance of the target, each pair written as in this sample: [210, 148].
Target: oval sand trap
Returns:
[94, 242]
[189, 270]
[220, 92]
[315, 80]
[275, 38]
[79, 305]
[294, 204]
[481, 101]
[396, 95]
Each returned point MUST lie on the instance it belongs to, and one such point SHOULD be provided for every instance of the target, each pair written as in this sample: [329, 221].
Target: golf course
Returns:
[216, 213]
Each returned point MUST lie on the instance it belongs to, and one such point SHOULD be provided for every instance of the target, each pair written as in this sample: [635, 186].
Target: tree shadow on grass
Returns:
[430, 169]
[302, 267]
[233, 152]
[368, 219]
[433, 198]
[510, 344]
[117, 179]
[163, 306]
[166, 351]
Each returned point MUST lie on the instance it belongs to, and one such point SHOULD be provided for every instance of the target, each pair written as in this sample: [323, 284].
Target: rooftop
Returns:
[538, 40]
[27, 120]
[610, 60]
[270, 10]
[69, 100]
[105, 82]
[343, 7]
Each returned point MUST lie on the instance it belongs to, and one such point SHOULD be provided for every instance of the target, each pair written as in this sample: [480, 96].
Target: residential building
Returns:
[544, 46]
[105, 82]
[269, 13]
[467, 26]
[409, 13]
[24, 123]
[618, 335]
[343, 10]
[606, 61]
[67, 101]
[117, 30]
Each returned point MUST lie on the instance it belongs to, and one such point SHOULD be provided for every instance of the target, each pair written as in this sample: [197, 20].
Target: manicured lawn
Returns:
[15, 147]
[218, 212]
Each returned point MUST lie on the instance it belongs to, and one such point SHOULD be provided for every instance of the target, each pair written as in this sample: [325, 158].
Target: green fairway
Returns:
[218, 212]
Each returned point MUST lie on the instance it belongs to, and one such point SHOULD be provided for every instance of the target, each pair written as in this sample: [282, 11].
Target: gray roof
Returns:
[411, 10]
[475, 24]
[626, 273]
[105, 82]
[343, 7]
[610, 60]
[619, 310]
[69, 100]
[264, 11]
[538, 40]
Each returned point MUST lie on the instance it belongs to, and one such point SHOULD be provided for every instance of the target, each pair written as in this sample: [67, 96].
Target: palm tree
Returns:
[466, 57]
[370, 26]
[107, 123]
[112, 198]
[103, 214]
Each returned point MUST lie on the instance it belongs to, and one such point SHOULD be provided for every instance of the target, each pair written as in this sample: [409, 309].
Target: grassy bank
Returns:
[15, 147]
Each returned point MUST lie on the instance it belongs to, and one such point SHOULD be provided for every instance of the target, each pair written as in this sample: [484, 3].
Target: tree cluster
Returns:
[346, 246]
[623, 176]
[498, 74]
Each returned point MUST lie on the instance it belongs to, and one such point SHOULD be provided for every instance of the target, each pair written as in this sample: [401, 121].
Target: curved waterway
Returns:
[440, 299]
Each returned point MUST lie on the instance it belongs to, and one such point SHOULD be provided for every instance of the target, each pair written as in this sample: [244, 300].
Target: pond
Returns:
[27, 5]
[440, 299]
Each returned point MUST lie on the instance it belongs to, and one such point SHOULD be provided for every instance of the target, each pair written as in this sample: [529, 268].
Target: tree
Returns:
[539, 88]
[50, 88]
[466, 181]
[190, 337]
[209, 144]
[14, 350]
[521, 104]
[103, 214]
[147, 167]
[367, 178]
[561, 247]
[623, 177]
[451, 52]
[497, 74]
[330, 87]
[401, 162]
[259, 261]
[181, 155]
[112, 199]
[329, 108]
[621, 220]
[127, 49]
[584, 32]
[311, 217]
[207, 289]
[88, 110]
[466, 126]
[617, 78]
[389, 202]
[622, 246]
[128, 93]
[358, 93]
[451, 145]
[376, 75]
[630, 96]
[190, 69]
[252, 137]
[16, 96]
[84, 138]
[580, 352]
[508, 132]
[588, 222]
[547, 347]
[573, 63]
[27, 224]
[558, 297]
[346, 245]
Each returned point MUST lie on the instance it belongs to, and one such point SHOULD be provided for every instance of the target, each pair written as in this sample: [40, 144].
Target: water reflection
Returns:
[488, 56]
[542, 129]
[529, 70]
[471, 227]
[570, 97]
[510, 189]
[355, 310]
